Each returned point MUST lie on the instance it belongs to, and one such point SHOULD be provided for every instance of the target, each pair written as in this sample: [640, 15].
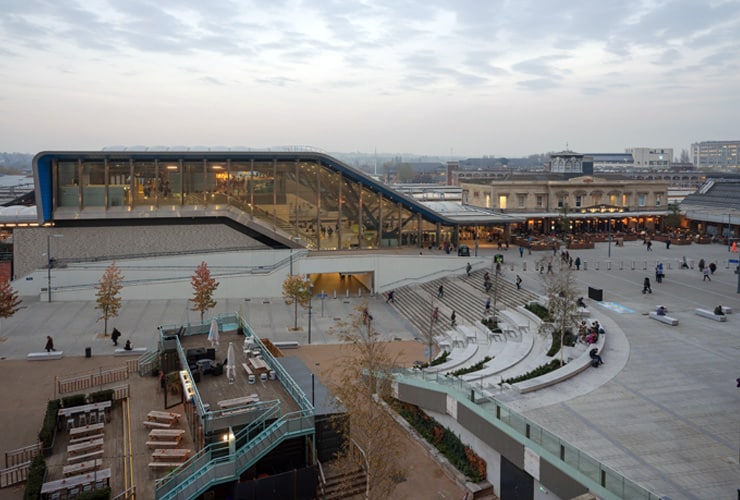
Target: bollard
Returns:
[512, 267]
[335, 294]
[359, 292]
[644, 266]
[524, 266]
[609, 266]
[669, 266]
[585, 265]
[597, 266]
[346, 293]
[621, 265]
[633, 265]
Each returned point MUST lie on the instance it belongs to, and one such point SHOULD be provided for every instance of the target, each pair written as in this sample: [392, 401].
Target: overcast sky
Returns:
[468, 77]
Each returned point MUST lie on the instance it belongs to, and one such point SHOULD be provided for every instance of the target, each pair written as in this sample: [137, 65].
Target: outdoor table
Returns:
[77, 482]
[74, 410]
[178, 454]
[81, 468]
[259, 365]
[85, 447]
[86, 430]
[166, 434]
[163, 416]
[230, 403]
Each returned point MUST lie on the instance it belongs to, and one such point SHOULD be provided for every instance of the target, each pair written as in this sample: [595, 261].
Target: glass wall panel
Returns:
[262, 190]
[68, 185]
[409, 228]
[370, 219]
[93, 184]
[119, 183]
[329, 208]
[168, 186]
[238, 188]
[288, 208]
[217, 183]
[349, 225]
[145, 184]
[390, 224]
[193, 183]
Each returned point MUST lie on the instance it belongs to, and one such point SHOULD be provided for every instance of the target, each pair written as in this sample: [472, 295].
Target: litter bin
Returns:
[88, 352]
[595, 294]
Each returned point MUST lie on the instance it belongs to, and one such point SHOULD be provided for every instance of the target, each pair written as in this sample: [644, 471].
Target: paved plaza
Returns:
[664, 409]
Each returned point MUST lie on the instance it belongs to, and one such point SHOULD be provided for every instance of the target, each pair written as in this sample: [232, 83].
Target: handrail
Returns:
[366, 467]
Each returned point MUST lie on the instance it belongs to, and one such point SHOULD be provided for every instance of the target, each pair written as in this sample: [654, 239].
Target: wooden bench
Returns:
[136, 351]
[663, 319]
[44, 356]
[82, 467]
[244, 400]
[82, 439]
[164, 465]
[162, 444]
[158, 425]
[85, 457]
[705, 313]
[286, 344]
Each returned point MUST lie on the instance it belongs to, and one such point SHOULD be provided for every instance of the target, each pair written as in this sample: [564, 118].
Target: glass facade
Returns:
[304, 199]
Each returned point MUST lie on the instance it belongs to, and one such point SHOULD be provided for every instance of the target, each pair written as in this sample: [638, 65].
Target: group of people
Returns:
[589, 334]
[115, 335]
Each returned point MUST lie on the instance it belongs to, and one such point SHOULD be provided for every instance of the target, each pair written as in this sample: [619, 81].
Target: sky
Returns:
[461, 78]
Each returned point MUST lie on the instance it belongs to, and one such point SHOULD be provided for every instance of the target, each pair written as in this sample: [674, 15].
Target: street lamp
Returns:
[49, 261]
[310, 308]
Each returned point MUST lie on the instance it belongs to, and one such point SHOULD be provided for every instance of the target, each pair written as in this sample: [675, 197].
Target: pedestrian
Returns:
[706, 274]
[498, 268]
[659, 273]
[435, 314]
[518, 282]
[440, 292]
[668, 244]
[549, 268]
[468, 268]
[701, 265]
[49, 344]
[646, 286]
[712, 267]
[578, 263]
[488, 305]
[521, 252]
[115, 334]
[649, 246]
[389, 297]
[453, 319]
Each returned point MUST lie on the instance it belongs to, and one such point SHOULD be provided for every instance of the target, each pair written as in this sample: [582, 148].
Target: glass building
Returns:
[295, 199]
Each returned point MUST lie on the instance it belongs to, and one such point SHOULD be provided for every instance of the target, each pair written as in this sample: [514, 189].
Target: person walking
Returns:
[488, 305]
[49, 344]
[435, 314]
[115, 335]
[646, 286]
[440, 292]
[706, 273]
[468, 268]
[453, 319]
[389, 297]
[649, 246]
[521, 252]
[578, 263]
[659, 273]
[518, 282]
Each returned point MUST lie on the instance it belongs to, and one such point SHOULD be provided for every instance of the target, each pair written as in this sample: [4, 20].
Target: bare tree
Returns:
[204, 286]
[9, 301]
[108, 295]
[363, 385]
[297, 292]
[562, 303]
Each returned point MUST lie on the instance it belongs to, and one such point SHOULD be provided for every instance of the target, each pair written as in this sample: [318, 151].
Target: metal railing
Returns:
[527, 432]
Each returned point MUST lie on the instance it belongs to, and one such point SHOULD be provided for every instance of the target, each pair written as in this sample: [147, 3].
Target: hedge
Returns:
[472, 368]
[540, 370]
[538, 309]
[35, 480]
[49, 425]
[101, 396]
[102, 494]
[74, 400]
[570, 340]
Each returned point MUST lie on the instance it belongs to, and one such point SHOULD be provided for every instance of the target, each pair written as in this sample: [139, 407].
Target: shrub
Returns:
[49, 425]
[436, 361]
[472, 368]
[492, 324]
[74, 400]
[459, 455]
[103, 494]
[101, 396]
[570, 340]
[35, 479]
[538, 309]
[540, 370]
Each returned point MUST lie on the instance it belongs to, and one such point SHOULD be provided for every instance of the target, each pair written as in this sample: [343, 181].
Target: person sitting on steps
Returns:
[127, 346]
[595, 357]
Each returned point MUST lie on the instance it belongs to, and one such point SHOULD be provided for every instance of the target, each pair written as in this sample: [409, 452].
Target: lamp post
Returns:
[609, 232]
[49, 262]
[310, 308]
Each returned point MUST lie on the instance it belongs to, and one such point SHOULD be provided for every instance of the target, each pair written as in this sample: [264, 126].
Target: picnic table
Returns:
[169, 455]
[81, 468]
[74, 410]
[77, 482]
[86, 430]
[85, 447]
[241, 401]
[259, 365]
[166, 434]
[163, 416]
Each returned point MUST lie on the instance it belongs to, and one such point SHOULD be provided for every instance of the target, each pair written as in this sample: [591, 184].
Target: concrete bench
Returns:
[705, 313]
[44, 356]
[136, 351]
[286, 344]
[726, 310]
[663, 319]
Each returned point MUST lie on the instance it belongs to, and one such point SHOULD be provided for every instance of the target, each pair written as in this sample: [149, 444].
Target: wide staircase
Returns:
[342, 483]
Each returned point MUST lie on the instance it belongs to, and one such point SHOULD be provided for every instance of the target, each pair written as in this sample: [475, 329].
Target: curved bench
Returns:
[581, 363]
[510, 355]
[457, 358]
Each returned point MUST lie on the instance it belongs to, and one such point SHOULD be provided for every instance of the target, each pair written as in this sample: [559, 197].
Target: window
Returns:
[522, 199]
[561, 202]
[658, 200]
[579, 201]
[502, 202]
[540, 201]
[641, 199]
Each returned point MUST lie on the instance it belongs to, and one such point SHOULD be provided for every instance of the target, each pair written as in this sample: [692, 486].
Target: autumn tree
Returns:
[363, 385]
[562, 303]
[9, 301]
[108, 295]
[204, 286]
[297, 292]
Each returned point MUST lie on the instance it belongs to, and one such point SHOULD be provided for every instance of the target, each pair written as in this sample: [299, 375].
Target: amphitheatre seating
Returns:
[458, 357]
[581, 363]
[705, 313]
[44, 356]
[519, 323]
[663, 319]
[511, 354]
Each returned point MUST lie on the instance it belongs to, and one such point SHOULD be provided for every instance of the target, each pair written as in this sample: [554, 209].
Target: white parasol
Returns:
[231, 363]
[213, 333]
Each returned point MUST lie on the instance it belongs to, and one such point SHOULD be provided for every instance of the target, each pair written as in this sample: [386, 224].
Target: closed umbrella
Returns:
[213, 333]
[231, 363]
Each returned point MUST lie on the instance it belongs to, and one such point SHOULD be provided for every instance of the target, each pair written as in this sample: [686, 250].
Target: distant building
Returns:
[652, 158]
[715, 154]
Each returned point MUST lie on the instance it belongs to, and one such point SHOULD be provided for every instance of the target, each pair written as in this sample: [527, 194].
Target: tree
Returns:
[297, 292]
[562, 303]
[363, 385]
[9, 301]
[673, 219]
[108, 295]
[204, 286]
